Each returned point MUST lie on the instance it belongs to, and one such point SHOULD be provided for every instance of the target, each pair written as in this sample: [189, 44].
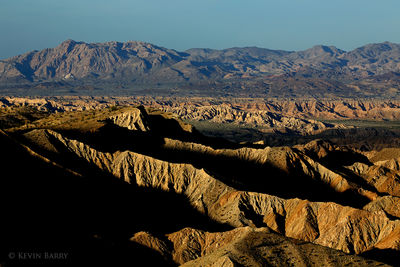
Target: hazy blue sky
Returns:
[181, 24]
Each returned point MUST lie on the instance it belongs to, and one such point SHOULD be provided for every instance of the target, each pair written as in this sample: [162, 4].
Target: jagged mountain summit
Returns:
[139, 67]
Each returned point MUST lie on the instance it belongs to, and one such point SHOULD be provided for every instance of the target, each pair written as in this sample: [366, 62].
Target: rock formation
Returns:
[304, 205]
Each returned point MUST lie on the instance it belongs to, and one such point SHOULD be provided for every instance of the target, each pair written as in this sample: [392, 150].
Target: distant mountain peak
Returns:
[68, 41]
[319, 50]
[68, 45]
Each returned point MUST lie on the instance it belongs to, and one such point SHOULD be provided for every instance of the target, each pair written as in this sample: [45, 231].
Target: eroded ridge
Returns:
[249, 201]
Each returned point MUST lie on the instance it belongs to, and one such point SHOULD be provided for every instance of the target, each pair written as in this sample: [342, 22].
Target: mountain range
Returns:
[371, 71]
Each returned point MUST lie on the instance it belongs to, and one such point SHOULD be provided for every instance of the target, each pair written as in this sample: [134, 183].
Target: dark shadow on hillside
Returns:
[365, 139]
[264, 178]
[121, 138]
[336, 161]
[240, 174]
[388, 256]
[46, 209]
[171, 128]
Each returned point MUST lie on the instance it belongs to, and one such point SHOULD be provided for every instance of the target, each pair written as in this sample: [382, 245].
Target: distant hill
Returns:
[142, 68]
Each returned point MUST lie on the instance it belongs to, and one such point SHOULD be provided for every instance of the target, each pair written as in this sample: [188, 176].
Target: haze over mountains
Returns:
[142, 68]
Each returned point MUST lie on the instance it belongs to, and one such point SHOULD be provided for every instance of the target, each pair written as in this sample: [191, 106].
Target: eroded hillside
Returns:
[185, 198]
[362, 124]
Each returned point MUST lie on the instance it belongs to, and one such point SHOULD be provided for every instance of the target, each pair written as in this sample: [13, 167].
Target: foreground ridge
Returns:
[301, 219]
[286, 203]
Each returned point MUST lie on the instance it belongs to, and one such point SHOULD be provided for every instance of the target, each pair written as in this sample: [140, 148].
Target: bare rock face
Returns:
[380, 176]
[389, 204]
[133, 120]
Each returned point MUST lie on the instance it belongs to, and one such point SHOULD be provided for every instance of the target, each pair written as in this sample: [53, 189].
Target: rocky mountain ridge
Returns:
[132, 67]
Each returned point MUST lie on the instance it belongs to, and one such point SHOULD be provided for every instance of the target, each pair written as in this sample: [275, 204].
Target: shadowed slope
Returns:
[312, 221]
[90, 217]
[171, 173]
[246, 246]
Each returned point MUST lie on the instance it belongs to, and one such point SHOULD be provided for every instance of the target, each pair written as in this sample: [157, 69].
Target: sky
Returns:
[27, 25]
